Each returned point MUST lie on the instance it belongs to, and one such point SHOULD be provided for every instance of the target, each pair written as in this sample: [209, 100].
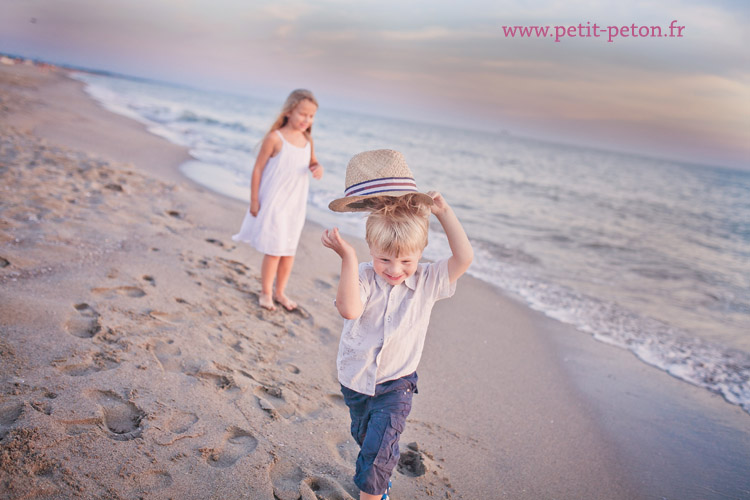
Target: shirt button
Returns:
[389, 319]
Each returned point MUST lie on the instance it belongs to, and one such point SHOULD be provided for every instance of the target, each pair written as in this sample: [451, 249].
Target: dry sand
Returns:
[135, 362]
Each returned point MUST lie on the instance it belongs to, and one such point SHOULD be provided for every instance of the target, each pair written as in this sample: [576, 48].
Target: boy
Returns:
[387, 303]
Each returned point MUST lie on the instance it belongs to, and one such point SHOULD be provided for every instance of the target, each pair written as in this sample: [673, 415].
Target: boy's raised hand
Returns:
[463, 254]
[348, 301]
[439, 205]
[333, 240]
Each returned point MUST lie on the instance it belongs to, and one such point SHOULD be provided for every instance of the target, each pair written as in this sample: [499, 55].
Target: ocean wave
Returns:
[608, 247]
[503, 253]
[713, 366]
[192, 117]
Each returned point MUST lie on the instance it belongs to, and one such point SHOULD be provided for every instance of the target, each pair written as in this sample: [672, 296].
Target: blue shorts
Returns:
[377, 424]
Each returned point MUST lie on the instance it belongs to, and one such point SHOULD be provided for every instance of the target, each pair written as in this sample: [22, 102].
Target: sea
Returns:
[646, 254]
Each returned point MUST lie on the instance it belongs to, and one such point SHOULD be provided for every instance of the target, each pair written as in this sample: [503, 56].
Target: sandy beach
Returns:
[136, 363]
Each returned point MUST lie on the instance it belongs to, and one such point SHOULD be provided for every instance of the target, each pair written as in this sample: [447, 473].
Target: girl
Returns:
[278, 195]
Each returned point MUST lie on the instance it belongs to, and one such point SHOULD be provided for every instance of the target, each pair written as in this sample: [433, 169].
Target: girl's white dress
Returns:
[283, 202]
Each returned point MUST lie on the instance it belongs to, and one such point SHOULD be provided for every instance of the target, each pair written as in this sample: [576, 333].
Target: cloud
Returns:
[422, 34]
[288, 12]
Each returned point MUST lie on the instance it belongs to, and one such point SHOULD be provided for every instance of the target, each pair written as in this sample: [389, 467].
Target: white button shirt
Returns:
[386, 341]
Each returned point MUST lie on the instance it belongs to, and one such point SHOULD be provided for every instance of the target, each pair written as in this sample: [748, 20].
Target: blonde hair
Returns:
[397, 225]
[296, 97]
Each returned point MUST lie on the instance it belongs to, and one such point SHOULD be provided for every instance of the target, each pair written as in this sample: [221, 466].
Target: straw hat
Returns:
[382, 172]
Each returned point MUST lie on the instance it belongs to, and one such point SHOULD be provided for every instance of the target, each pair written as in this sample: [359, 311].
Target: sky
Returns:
[446, 62]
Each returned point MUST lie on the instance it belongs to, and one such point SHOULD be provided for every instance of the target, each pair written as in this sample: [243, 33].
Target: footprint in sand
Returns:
[411, 463]
[78, 370]
[121, 418]
[322, 487]
[236, 345]
[322, 285]
[165, 317]
[44, 407]
[286, 478]
[238, 443]
[221, 382]
[302, 314]
[344, 447]
[154, 480]
[323, 407]
[326, 336]
[291, 483]
[9, 414]
[235, 266]
[98, 362]
[293, 369]
[81, 426]
[84, 323]
[167, 354]
[276, 401]
[181, 421]
[337, 399]
[127, 291]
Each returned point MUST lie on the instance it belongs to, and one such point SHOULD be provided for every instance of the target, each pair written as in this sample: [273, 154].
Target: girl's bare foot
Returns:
[285, 301]
[266, 302]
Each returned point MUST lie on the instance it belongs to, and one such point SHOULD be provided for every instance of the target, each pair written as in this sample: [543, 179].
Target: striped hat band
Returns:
[382, 185]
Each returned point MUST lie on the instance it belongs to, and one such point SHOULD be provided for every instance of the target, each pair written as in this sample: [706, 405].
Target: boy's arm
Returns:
[463, 254]
[348, 300]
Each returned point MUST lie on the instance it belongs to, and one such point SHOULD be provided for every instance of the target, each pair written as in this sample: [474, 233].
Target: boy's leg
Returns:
[282, 277]
[378, 432]
[267, 274]
[358, 406]
[380, 449]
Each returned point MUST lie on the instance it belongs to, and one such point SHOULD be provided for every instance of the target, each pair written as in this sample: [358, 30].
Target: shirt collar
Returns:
[410, 282]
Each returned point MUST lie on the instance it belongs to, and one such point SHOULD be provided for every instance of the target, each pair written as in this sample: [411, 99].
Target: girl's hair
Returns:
[296, 97]
[397, 225]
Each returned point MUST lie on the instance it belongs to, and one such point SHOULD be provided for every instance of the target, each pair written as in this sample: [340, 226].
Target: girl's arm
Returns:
[315, 168]
[348, 300]
[270, 147]
[463, 254]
